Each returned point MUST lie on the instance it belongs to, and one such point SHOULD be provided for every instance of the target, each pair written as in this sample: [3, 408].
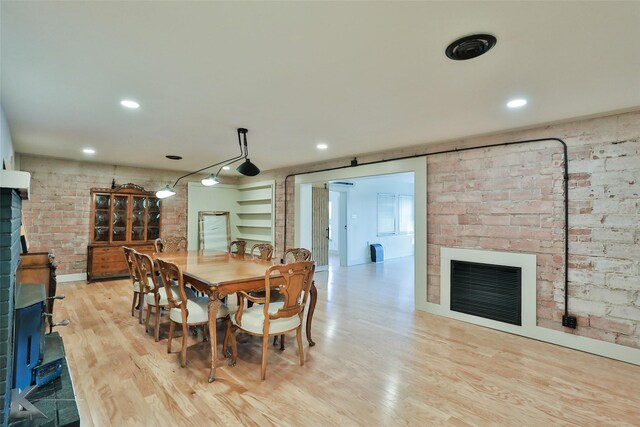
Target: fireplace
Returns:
[489, 288]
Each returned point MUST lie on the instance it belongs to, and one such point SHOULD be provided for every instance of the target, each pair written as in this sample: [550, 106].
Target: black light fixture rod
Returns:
[228, 161]
[454, 150]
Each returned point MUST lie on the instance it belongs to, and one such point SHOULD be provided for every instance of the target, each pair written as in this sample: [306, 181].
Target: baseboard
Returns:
[76, 277]
[576, 342]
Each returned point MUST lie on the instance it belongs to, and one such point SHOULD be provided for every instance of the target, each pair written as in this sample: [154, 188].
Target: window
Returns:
[405, 214]
[386, 214]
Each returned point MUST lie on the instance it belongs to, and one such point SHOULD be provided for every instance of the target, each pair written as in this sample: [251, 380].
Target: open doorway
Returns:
[381, 209]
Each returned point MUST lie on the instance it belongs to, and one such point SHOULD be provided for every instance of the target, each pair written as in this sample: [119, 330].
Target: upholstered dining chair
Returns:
[170, 244]
[183, 310]
[155, 294]
[266, 318]
[296, 255]
[265, 250]
[135, 280]
[241, 247]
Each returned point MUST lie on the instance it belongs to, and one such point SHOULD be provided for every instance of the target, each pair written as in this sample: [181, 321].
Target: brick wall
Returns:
[513, 201]
[57, 215]
[10, 205]
[510, 198]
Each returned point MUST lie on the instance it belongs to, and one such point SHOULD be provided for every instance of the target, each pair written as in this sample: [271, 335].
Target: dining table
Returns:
[219, 274]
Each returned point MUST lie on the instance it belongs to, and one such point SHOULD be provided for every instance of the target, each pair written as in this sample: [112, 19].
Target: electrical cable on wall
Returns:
[567, 320]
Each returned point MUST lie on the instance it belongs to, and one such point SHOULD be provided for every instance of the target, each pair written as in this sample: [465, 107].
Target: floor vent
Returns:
[485, 290]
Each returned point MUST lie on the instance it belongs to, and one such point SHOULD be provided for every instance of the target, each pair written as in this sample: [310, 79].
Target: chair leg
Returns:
[172, 327]
[282, 342]
[133, 303]
[263, 368]
[183, 353]
[157, 328]
[234, 349]
[300, 349]
[146, 322]
[141, 298]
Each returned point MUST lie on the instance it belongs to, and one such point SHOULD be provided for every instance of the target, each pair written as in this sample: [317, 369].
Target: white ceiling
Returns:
[358, 76]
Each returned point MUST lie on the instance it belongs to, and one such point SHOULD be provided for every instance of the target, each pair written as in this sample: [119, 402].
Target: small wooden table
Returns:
[218, 274]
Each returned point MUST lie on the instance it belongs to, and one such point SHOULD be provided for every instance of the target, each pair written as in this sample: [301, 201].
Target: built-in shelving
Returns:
[254, 216]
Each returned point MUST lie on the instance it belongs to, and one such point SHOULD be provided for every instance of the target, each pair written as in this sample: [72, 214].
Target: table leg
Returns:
[313, 293]
[214, 304]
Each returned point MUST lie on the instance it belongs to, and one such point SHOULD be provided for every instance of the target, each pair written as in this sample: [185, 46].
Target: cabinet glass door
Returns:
[119, 218]
[153, 218]
[138, 218]
[102, 205]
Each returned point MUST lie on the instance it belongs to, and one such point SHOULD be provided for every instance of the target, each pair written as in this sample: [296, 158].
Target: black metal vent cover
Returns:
[470, 47]
[486, 290]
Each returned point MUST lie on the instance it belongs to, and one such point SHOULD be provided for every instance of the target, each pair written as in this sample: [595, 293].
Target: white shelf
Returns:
[254, 218]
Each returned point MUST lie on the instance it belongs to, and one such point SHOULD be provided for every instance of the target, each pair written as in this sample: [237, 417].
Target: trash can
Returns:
[377, 255]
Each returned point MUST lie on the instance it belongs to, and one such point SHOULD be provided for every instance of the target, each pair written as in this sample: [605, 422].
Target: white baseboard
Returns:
[76, 277]
[589, 345]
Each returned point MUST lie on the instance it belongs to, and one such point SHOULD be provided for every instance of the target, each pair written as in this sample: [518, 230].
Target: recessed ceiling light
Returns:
[225, 168]
[127, 103]
[322, 146]
[516, 103]
[173, 157]
[88, 151]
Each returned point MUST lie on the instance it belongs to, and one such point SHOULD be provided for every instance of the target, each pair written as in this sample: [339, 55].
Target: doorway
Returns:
[358, 216]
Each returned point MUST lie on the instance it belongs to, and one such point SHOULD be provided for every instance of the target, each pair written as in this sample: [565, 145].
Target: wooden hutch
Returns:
[126, 215]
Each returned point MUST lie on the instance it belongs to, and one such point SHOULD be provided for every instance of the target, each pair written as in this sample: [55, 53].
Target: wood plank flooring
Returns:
[377, 362]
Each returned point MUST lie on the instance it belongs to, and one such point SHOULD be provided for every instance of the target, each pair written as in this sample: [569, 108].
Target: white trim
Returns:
[527, 262]
[589, 345]
[76, 277]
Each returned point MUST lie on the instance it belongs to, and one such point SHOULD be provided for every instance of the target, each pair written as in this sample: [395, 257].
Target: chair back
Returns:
[296, 255]
[171, 273]
[293, 283]
[241, 247]
[170, 244]
[265, 250]
[144, 263]
[131, 264]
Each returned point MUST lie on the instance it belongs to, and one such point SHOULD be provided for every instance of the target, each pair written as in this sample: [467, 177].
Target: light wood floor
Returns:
[376, 362]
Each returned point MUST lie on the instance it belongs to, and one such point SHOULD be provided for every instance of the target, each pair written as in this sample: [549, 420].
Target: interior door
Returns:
[320, 226]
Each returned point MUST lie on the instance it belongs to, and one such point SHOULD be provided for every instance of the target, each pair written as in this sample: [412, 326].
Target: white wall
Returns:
[6, 144]
[362, 219]
[217, 198]
[334, 222]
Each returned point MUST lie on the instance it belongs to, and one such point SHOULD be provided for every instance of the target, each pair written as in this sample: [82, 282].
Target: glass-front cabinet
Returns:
[122, 216]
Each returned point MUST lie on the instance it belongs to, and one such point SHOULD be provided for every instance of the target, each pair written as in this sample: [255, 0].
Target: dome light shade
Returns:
[210, 180]
[165, 192]
[248, 169]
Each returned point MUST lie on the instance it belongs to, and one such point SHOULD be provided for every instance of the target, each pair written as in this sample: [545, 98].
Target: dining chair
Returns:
[296, 255]
[183, 310]
[170, 244]
[267, 318]
[240, 245]
[155, 294]
[265, 250]
[135, 280]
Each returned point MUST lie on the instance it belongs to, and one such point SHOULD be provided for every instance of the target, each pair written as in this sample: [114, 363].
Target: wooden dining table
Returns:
[219, 274]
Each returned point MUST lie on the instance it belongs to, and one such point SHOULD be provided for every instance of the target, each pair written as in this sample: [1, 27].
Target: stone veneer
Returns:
[507, 198]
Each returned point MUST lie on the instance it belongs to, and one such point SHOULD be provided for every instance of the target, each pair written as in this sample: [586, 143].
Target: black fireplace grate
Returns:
[486, 290]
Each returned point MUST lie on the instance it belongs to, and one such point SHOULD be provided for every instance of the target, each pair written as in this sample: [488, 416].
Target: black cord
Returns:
[456, 150]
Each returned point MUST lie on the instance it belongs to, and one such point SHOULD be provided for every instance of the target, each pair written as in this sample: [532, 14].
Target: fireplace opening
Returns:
[487, 290]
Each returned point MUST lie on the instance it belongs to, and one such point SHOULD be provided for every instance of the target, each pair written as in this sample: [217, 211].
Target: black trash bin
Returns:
[377, 255]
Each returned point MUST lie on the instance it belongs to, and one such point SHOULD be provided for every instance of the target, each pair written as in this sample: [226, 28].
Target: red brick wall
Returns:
[56, 217]
[511, 199]
[499, 198]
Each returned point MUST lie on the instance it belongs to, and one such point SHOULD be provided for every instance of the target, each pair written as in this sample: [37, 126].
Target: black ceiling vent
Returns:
[471, 46]
[173, 157]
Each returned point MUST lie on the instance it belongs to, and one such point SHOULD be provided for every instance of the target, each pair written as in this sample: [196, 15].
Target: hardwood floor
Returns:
[376, 362]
